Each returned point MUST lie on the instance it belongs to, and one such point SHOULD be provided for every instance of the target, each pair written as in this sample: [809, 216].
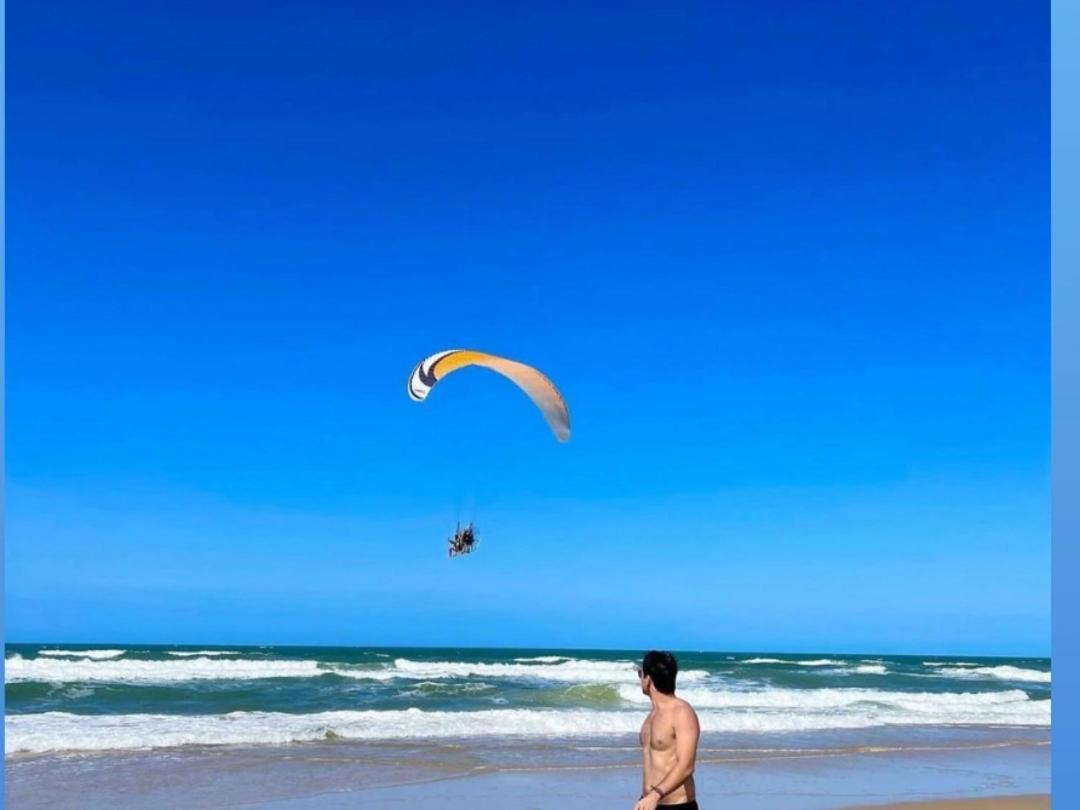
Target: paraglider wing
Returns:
[539, 388]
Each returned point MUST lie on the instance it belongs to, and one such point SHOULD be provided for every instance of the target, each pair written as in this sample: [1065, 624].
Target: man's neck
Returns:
[659, 699]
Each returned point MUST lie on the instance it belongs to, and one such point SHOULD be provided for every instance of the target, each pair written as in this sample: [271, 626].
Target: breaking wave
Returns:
[999, 673]
[130, 671]
[202, 653]
[96, 655]
[768, 711]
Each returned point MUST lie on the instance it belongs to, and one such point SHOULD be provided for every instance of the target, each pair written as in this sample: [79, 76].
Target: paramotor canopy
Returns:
[539, 388]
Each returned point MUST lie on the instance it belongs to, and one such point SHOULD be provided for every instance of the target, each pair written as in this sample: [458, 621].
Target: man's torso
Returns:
[657, 738]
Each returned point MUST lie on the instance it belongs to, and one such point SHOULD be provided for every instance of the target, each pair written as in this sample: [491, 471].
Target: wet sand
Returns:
[335, 775]
[1037, 802]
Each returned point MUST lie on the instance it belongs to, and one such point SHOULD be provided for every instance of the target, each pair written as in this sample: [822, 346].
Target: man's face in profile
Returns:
[644, 679]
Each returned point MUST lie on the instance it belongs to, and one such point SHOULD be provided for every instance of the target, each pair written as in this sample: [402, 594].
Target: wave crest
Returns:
[836, 709]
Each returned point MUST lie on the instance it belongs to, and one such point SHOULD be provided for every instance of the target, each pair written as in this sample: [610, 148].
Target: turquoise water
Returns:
[118, 697]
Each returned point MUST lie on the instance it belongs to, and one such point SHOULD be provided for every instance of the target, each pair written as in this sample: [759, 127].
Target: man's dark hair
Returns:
[662, 668]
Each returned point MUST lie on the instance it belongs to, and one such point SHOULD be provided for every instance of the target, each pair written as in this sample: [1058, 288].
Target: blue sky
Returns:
[788, 263]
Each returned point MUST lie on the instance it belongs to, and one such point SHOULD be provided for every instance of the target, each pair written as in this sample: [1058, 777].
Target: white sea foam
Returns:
[859, 669]
[819, 662]
[999, 673]
[939, 705]
[59, 670]
[107, 666]
[426, 688]
[768, 711]
[814, 662]
[131, 671]
[949, 664]
[574, 670]
[76, 692]
[543, 659]
[202, 653]
[96, 655]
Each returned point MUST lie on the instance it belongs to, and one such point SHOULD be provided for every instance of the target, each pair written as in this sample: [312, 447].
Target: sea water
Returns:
[75, 698]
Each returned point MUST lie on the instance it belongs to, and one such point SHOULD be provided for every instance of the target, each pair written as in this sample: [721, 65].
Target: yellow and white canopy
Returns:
[538, 387]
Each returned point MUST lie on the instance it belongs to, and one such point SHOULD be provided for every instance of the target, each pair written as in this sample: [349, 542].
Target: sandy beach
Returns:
[1038, 802]
[330, 776]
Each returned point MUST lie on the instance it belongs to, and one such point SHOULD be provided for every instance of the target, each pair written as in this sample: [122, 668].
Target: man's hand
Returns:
[648, 801]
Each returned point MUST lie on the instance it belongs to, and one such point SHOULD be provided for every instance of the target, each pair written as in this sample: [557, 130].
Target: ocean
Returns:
[75, 698]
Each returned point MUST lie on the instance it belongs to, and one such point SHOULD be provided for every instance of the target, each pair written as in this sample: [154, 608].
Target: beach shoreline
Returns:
[332, 775]
[129, 727]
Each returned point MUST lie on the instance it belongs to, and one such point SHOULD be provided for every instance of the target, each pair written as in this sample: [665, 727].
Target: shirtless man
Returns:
[669, 739]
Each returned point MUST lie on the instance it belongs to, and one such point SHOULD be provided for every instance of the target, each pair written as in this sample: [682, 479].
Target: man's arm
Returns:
[644, 766]
[687, 732]
[644, 754]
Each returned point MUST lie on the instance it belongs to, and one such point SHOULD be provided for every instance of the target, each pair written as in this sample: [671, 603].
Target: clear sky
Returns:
[788, 262]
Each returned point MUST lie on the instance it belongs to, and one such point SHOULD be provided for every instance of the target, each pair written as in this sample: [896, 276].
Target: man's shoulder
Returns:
[683, 708]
